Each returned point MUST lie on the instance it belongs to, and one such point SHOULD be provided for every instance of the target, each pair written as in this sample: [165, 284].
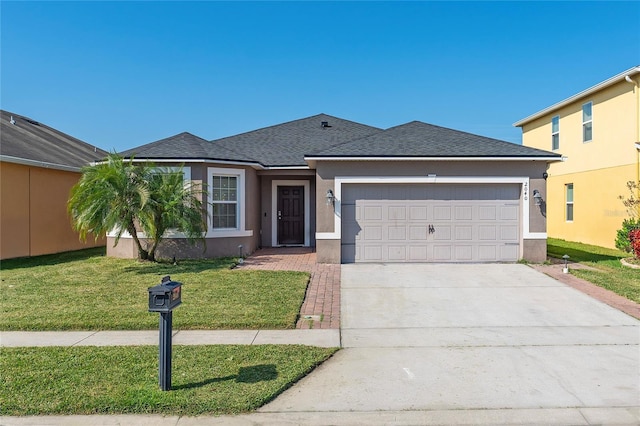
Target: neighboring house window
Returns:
[555, 132]
[569, 202]
[587, 122]
[226, 189]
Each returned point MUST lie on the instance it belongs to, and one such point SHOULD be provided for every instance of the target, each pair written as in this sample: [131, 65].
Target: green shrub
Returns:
[623, 242]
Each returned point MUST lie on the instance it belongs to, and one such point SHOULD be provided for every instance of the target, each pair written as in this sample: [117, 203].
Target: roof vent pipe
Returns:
[12, 121]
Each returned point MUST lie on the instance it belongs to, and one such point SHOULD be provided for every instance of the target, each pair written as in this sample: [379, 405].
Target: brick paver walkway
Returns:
[321, 306]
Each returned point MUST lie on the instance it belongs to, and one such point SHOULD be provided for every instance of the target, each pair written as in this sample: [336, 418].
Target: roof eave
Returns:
[436, 158]
[36, 163]
[615, 79]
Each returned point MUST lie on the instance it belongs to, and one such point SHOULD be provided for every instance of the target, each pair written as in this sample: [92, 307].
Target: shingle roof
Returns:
[418, 139]
[286, 144]
[33, 142]
[183, 146]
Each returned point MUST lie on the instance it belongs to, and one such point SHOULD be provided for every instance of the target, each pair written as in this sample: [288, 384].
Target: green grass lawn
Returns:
[86, 290]
[111, 380]
[609, 273]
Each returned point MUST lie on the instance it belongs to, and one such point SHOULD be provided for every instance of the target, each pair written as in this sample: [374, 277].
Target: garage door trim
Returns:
[339, 181]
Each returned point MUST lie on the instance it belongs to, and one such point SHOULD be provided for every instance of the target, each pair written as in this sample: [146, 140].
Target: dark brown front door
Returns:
[290, 215]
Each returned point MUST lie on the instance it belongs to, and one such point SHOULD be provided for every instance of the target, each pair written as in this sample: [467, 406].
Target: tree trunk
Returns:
[142, 253]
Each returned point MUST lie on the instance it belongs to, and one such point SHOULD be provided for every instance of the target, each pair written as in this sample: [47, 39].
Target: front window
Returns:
[555, 132]
[587, 122]
[569, 202]
[225, 202]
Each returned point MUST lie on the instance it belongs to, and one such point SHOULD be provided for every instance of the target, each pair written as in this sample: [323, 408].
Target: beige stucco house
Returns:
[412, 193]
[38, 167]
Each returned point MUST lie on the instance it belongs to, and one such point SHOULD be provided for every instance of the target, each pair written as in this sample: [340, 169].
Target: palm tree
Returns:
[173, 204]
[110, 197]
[119, 196]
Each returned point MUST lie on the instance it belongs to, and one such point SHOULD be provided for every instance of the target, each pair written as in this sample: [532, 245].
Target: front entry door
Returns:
[290, 215]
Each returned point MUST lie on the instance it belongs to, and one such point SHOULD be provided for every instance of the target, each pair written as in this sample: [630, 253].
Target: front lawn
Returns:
[86, 290]
[609, 273]
[111, 380]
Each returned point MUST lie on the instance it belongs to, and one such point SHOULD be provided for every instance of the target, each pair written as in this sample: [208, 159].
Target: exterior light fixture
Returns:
[330, 197]
[537, 198]
[566, 266]
[545, 175]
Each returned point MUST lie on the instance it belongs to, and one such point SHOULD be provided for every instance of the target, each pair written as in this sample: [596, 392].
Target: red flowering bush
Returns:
[634, 238]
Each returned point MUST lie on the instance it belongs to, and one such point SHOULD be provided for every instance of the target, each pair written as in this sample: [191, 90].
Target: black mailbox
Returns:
[165, 296]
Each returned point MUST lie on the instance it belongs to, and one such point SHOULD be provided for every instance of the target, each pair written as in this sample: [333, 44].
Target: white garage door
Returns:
[430, 222]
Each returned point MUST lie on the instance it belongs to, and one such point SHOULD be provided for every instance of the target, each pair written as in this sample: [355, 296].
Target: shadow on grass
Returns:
[577, 255]
[253, 374]
[181, 266]
[53, 259]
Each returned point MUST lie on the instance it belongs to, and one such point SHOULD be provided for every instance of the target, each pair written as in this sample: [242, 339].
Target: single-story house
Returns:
[356, 193]
[38, 167]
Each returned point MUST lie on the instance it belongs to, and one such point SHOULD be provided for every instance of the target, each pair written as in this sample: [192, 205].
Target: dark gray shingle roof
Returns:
[418, 139]
[30, 140]
[183, 146]
[286, 144]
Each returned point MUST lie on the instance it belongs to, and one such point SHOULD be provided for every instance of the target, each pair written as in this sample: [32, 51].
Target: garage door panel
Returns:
[487, 253]
[509, 233]
[442, 213]
[442, 233]
[372, 213]
[418, 233]
[487, 212]
[397, 233]
[418, 253]
[397, 253]
[372, 253]
[390, 223]
[509, 252]
[463, 253]
[487, 232]
[464, 233]
[509, 212]
[372, 233]
[418, 213]
[442, 253]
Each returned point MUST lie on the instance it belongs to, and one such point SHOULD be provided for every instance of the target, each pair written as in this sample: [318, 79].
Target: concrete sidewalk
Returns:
[324, 338]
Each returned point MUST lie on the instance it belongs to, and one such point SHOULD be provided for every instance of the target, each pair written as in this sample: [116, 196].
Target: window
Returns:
[555, 132]
[226, 203]
[569, 202]
[587, 122]
[224, 192]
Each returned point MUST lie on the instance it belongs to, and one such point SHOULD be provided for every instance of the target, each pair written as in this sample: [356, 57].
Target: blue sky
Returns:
[122, 74]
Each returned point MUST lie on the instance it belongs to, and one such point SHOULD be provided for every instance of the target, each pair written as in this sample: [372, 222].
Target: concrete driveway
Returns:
[470, 344]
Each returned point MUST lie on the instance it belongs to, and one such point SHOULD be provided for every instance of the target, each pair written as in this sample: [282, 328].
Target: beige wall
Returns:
[598, 169]
[215, 247]
[329, 250]
[33, 212]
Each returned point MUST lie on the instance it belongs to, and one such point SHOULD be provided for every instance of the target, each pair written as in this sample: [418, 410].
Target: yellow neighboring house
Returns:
[597, 131]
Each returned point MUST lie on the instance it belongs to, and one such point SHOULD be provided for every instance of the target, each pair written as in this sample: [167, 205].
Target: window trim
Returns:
[568, 203]
[585, 122]
[555, 118]
[240, 230]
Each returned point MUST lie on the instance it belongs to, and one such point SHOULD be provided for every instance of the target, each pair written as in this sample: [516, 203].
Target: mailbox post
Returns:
[163, 298]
